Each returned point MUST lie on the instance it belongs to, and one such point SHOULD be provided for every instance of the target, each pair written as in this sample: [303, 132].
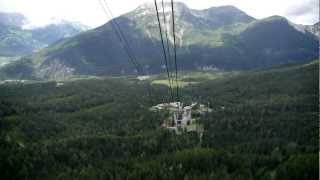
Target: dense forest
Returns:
[264, 125]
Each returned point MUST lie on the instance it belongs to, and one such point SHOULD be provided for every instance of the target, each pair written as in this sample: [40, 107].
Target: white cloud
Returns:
[307, 11]
[89, 11]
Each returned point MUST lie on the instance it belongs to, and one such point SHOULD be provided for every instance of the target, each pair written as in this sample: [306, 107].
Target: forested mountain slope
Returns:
[219, 37]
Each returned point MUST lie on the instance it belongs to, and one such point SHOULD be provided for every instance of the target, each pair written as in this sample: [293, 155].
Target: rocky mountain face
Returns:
[193, 26]
[219, 37]
[314, 29]
[16, 40]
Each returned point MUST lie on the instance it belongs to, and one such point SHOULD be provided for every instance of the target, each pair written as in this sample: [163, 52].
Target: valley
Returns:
[103, 128]
[159, 91]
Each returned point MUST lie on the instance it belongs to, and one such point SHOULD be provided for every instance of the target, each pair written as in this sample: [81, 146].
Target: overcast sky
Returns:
[90, 13]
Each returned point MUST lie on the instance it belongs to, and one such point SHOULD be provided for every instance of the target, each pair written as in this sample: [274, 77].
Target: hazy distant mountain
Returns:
[222, 37]
[12, 19]
[15, 40]
[53, 32]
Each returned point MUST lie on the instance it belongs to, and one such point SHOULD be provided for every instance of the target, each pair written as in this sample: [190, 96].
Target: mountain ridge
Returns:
[17, 40]
[12, 19]
[223, 42]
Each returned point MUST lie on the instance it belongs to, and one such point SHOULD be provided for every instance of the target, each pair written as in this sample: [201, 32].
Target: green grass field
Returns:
[192, 77]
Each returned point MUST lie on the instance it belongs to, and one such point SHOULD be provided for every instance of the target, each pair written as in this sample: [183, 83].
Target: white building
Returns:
[182, 116]
[183, 119]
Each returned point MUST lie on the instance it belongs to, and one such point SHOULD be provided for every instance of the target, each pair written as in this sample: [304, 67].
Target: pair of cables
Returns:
[166, 51]
[123, 40]
[125, 43]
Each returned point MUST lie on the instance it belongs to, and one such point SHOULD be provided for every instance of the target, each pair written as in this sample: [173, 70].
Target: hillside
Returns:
[264, 125]
[15, 40]
[12, 19]
[314, 29]
[219, 37]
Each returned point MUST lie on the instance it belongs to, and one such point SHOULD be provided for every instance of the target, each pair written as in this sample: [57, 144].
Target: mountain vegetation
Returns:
[72, 106]
[219, 37]
[264, 125]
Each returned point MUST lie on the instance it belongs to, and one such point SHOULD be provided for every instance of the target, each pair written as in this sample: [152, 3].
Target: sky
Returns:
[89, 12]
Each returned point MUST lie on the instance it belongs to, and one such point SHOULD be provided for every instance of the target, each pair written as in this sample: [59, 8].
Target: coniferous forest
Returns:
[264, 125]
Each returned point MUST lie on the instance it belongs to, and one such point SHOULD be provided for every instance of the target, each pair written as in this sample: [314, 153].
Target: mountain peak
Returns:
[12, 19]
[229, 11]
[225, 7]
[150, 7]
[223, 37]
[275, 18]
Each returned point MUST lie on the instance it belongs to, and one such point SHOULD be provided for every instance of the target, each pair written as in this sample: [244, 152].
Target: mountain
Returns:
[193, 26]
[219, 37]
[13, 39]
[16, 40]
[57, 31]
[12, 19]
[314, 29]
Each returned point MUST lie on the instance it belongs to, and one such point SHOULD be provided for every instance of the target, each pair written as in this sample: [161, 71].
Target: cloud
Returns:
[301, 10]
[307, 11]
[89, 12]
